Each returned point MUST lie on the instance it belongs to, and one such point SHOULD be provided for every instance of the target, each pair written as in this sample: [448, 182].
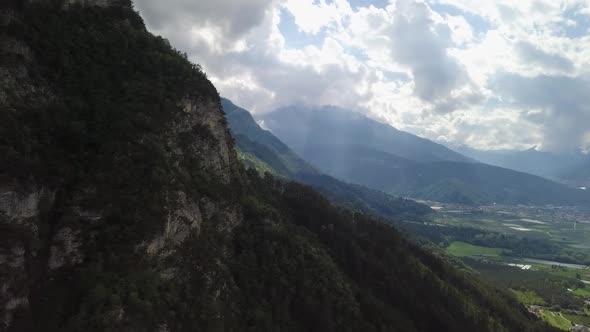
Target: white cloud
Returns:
[311, 17]
[461, 31]
[443, 69]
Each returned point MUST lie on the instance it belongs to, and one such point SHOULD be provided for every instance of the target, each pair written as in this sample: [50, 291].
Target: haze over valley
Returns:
[294, 165]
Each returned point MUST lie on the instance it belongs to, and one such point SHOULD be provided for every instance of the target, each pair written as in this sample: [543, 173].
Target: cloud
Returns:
[311, 17]
[531, 54]
[560, 104]
[224, 15]
[430, 67]
[422, 44]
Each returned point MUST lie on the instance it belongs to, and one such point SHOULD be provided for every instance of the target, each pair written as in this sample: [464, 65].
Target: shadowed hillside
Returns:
[124, 207]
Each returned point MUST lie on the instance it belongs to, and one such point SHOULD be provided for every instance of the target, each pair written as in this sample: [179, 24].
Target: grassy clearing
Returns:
[580, 320]
[462, 249]
[556, 319]
[251, 161]
[528, 297]
[557, 231]
[584, 292]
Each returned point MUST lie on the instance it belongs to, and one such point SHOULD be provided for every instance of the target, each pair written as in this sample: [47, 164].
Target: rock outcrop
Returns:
[47, 227]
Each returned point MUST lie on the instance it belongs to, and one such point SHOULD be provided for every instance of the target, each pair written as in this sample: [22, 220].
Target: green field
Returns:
[580, 320]
[535, 227]
[462, 249]
[547, 238]
[584, 292]
[528, 297]
[556, 319]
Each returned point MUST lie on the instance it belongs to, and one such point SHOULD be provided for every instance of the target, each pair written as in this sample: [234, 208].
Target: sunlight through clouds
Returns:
[435, 68]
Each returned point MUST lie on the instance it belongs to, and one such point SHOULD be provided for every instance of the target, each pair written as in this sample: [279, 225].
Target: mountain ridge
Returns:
[328, 141]
[532, 161]
[321, 124]
[124, 207]
[263, 146]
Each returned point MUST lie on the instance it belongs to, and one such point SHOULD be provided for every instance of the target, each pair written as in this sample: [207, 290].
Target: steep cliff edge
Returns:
[123, 206]
[116, 153]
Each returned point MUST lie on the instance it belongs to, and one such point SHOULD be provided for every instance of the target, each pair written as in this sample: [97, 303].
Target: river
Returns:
[542, 261]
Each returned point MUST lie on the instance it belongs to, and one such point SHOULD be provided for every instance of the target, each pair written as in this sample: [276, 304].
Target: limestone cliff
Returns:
[56, 221]
[123, 206]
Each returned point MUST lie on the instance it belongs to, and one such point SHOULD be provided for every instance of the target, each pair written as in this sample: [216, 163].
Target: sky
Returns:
[487, 74]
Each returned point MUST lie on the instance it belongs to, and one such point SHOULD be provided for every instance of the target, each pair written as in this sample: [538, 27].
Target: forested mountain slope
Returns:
[124, 207]
[303, 127]
[261, 150]
[356, 149]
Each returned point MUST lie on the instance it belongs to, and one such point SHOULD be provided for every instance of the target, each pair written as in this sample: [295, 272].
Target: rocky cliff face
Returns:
[52, 223]
[123, 206]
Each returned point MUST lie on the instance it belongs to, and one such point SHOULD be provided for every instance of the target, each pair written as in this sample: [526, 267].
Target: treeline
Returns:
[550, 287]
[366, 277]
[264, 255]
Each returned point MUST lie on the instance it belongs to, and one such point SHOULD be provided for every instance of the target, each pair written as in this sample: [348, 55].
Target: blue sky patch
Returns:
[356, 4]
[478, 23]
[294, 38]
[581, 28]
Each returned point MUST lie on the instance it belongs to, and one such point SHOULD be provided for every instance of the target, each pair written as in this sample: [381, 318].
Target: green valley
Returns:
[125, 205]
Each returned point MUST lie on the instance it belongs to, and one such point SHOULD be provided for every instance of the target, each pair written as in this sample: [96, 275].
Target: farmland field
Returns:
[528, 297]
[580, 320]
[540, 255]
[556, 319]
[462, 249]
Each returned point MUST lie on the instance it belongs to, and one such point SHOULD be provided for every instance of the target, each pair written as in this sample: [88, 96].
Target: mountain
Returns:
[253, 140]
[124, 207]
[578, 175]
[303, 127]
[541, 163]
[359, 150]
[260, 149]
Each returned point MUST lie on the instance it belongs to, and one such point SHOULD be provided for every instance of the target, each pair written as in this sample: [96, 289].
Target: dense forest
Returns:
[125, 208]
[373, 257]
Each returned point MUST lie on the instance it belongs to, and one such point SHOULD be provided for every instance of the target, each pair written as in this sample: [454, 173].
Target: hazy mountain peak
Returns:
[302, 127]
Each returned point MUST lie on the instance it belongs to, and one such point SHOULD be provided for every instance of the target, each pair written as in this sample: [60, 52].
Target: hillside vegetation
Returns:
[261, 150]
[124, 207]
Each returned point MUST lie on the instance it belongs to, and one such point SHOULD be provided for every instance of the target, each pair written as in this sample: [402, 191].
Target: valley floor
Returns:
[540, 254]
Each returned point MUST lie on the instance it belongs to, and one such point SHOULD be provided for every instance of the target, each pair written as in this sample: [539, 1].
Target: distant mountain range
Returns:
[542, 163]
[303, 128]
[354, 148]
[124, 206]
[578, 175]
[260, 149]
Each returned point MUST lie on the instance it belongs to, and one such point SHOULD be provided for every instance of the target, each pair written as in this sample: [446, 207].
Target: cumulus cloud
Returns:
[311, 17]
[421, 44]
[430, 67]
[560, 104]
[224, 15]
[531, 54]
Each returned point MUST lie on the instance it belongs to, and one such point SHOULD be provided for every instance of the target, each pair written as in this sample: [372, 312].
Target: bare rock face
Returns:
[185, 219]
[20, 206]
[18, 213]
[43, 229]
[65, 248]
[15, 47]
[209, 115]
